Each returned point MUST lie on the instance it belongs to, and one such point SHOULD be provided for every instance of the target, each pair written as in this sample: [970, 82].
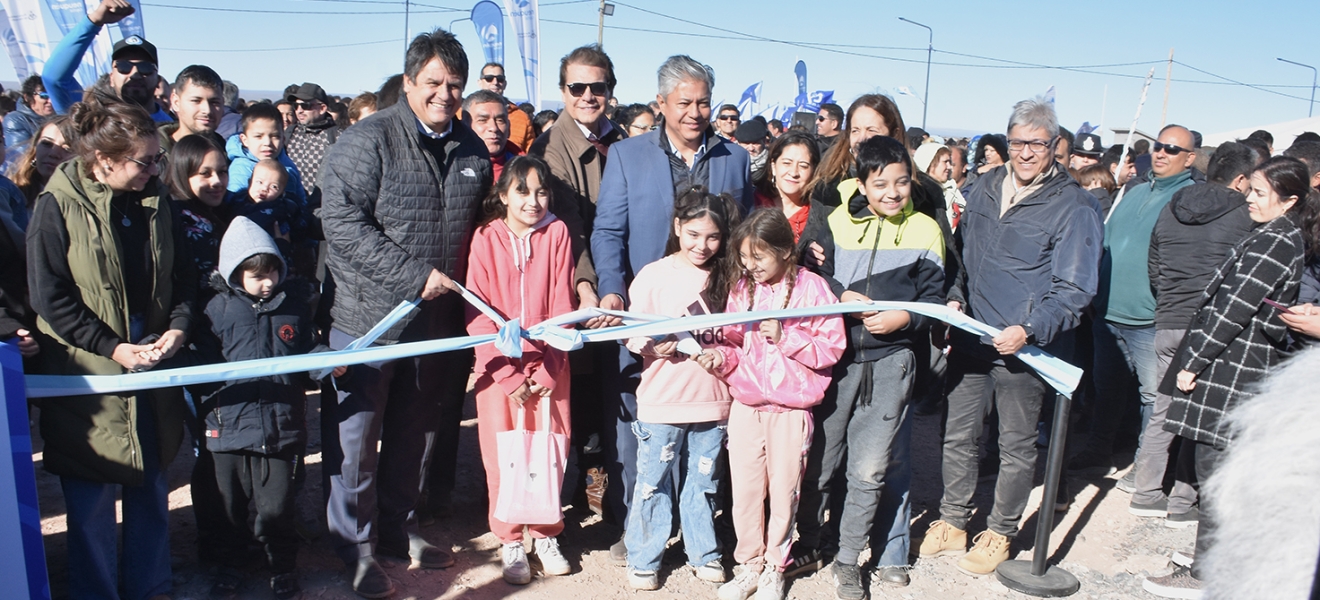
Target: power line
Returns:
[1234, 81]
[229, 50]
[293, 12]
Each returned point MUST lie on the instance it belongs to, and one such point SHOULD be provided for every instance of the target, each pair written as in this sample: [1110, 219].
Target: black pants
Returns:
[265, 480]
[1205, 458]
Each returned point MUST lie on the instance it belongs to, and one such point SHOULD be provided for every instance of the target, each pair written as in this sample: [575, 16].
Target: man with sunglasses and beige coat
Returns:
[133, 73]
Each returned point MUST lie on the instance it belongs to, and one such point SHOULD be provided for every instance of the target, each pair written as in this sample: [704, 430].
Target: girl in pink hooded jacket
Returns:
[521, 263]
[776, 372]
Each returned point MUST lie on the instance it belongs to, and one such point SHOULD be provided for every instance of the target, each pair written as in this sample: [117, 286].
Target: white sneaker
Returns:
[643, 580]
[516, 569]
[742, 587]
[552, 560]
[712, 572]
[771, 584]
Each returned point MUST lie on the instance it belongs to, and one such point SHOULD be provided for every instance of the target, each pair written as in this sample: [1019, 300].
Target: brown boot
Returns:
[943, 539]
[596, 483]
[988, 550]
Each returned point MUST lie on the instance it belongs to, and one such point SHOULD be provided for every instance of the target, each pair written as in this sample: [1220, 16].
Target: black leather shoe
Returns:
[371, 581]
[893, 576]
[421, 553]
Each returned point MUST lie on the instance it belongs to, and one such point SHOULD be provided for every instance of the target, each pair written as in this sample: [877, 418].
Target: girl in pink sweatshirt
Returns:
[681, 407]
[521, 264]
[776, 371]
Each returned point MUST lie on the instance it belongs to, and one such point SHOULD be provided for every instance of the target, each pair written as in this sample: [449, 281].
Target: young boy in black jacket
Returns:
[256, 428]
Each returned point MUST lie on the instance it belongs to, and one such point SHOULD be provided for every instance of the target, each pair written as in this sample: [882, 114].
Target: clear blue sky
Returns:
[1229, 39]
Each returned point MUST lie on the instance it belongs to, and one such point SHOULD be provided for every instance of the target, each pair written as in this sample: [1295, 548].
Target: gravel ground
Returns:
[1107, 549]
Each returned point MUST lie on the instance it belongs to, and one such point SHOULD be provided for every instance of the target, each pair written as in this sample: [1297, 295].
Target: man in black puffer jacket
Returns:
[401, 192]
[1192, 236]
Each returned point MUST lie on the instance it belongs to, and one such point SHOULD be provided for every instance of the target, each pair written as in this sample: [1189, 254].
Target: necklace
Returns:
[124, 220]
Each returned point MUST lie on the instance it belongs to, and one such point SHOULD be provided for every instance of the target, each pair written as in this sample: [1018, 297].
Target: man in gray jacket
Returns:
[401, 193]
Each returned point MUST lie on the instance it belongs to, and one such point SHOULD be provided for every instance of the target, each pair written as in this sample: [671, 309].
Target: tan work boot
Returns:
[943, 539]
[988, 550]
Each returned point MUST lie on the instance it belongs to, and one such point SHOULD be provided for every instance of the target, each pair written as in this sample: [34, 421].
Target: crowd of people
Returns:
[153, 224]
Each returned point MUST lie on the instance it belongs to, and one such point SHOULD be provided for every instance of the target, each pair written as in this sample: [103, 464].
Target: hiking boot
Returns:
[1184, 558]
[370, 580]
[771, 584]
[943, 539]
[514, 559]
[743, 585]
[285, 586]
[988, 550]
[847, 581]
[552, 560]
[1183, 519]
[804, 560]
[1178, 584]
[712, 571]
[619, 553]
[646, 581]
[893, 575]
[597, 481]
[1128, 484]
[1158, 509]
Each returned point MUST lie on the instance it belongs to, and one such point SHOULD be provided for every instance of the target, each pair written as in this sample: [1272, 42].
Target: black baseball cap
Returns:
[308, 91]
[132, 43]
[751, 131]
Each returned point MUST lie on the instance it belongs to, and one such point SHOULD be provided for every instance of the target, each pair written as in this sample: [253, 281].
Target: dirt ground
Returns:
[1107, 549]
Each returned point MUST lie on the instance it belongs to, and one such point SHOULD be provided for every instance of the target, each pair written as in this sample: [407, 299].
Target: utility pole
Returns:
[606, 10]
[1168, 79]
[407, 6]
[1310, 107]
[930, 50]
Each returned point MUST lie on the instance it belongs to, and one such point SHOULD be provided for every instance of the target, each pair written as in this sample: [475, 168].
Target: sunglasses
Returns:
[599, 88]
[491, 78]
[143, 67]
[307, 105]
[43, 95]
[728, 117]
[1169, 149]
[150, 162]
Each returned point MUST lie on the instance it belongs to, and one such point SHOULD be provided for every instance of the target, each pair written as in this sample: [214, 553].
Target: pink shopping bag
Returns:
[531, 471]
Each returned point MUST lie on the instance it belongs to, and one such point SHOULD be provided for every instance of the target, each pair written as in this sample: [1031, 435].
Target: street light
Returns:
[606, 10]
[1310, 107]
[930, 49]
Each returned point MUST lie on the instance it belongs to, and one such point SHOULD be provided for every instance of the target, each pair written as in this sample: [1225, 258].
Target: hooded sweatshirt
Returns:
[265, 415]
[674, 389]
[899, 258]
[528, 278]
[242, 162]
[1125, 295]
[793, 373]
[1192, 236]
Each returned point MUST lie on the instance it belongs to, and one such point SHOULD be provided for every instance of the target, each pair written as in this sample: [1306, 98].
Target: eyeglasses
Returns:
[599, 88]
[643, 128]
[491, 78]
[143, 67]
[1169, 149]
[1037, 146]
[313, 105]
[150, 162]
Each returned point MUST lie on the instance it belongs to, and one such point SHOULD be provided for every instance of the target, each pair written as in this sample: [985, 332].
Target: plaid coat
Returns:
[1235, 338]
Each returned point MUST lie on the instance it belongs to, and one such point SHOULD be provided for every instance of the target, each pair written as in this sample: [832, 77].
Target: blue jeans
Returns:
[651, 516]
[1122, 353]
[94, 565]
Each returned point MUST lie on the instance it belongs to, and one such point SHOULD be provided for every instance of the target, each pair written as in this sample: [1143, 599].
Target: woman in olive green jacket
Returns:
[113, 293]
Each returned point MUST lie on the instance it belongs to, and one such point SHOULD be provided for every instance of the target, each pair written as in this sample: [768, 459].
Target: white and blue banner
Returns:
[11, 46]
[132, 24]
[489, 21]
[23, 570]
[527, 29]
[800, 70]
[749, 98]
[28, 27]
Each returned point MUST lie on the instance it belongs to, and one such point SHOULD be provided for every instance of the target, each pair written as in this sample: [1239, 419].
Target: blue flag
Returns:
[132, 24]
[489, 21]
[800, 69]
[749, 98]
[527, 30]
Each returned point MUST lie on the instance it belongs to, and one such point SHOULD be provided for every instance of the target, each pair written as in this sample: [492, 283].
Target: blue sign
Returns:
[489, 21]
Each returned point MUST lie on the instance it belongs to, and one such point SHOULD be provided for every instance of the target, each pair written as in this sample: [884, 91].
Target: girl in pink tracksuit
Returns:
[521, 264]
[776, 371]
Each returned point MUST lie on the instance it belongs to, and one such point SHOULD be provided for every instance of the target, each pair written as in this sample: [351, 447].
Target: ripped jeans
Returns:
[651, 517]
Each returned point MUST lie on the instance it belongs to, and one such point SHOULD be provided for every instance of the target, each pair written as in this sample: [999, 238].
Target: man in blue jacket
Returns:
[133, 74]
[632, 212]
[1030, 242]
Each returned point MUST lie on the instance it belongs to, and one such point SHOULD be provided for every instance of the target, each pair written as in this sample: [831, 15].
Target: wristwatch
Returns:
[1031, 333]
